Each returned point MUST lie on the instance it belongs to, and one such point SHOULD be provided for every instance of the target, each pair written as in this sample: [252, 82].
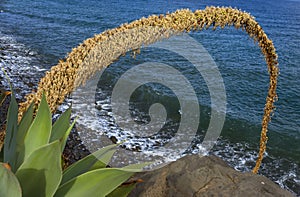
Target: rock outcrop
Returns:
[203, 176]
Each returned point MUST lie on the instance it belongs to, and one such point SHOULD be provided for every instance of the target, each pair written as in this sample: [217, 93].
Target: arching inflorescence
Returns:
[101, 50]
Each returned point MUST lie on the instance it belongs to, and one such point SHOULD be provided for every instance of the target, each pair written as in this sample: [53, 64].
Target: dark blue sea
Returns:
[34, 35]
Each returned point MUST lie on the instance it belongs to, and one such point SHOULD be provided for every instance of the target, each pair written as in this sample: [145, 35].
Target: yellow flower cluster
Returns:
[103, 49]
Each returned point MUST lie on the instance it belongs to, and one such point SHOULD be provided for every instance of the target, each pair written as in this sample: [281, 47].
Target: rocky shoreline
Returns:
[191, 175]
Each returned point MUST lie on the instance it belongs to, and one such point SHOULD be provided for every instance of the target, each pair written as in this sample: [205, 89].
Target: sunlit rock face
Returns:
[203, 176]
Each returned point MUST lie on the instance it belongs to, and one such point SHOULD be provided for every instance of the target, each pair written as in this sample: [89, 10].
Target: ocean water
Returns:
[34, 35]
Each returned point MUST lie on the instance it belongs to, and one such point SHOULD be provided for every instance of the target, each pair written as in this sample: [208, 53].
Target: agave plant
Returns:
[31, 164]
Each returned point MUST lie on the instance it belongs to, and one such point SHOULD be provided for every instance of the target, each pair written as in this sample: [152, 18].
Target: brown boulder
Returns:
[203, 176]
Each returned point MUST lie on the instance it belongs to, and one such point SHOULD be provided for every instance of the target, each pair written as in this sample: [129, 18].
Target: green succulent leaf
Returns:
[97, 159]
[40, 130]
[137, 167]
[1, 155]
[11, 132]
[64, 139]
[125, 189]
[100, 182]
[9, 184]
[60, 126]
[104, 160]
[41, 173]
[22, 131]
[122, 191]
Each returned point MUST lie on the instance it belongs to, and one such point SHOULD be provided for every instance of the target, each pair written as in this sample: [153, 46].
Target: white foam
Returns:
[20, 64]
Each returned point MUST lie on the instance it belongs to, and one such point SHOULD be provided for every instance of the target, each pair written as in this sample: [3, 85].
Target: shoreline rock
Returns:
[191, 175]
[194, 176]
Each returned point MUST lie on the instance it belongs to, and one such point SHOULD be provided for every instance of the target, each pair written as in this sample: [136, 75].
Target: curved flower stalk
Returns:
[101, 50]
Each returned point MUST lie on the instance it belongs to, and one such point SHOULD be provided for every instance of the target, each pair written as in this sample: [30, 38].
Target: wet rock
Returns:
[114, 139]
[74, 149]
[195, 176]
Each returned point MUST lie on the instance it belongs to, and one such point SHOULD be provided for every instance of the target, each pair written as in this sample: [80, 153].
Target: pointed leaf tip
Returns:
[39, 132]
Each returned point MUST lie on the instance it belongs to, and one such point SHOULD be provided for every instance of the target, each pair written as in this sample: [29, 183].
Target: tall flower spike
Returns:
[143, 32]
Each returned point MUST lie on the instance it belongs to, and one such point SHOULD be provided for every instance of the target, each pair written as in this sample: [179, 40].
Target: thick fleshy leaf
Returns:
[1, 154]
[104, 160]
[22, 131]
[98, 182]
[122, 191]
[11, 132]
[40, 130]
[64, 139]
[9, 184]
[100, 157]
[60, 126]
[137, 167]
[41, 173]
